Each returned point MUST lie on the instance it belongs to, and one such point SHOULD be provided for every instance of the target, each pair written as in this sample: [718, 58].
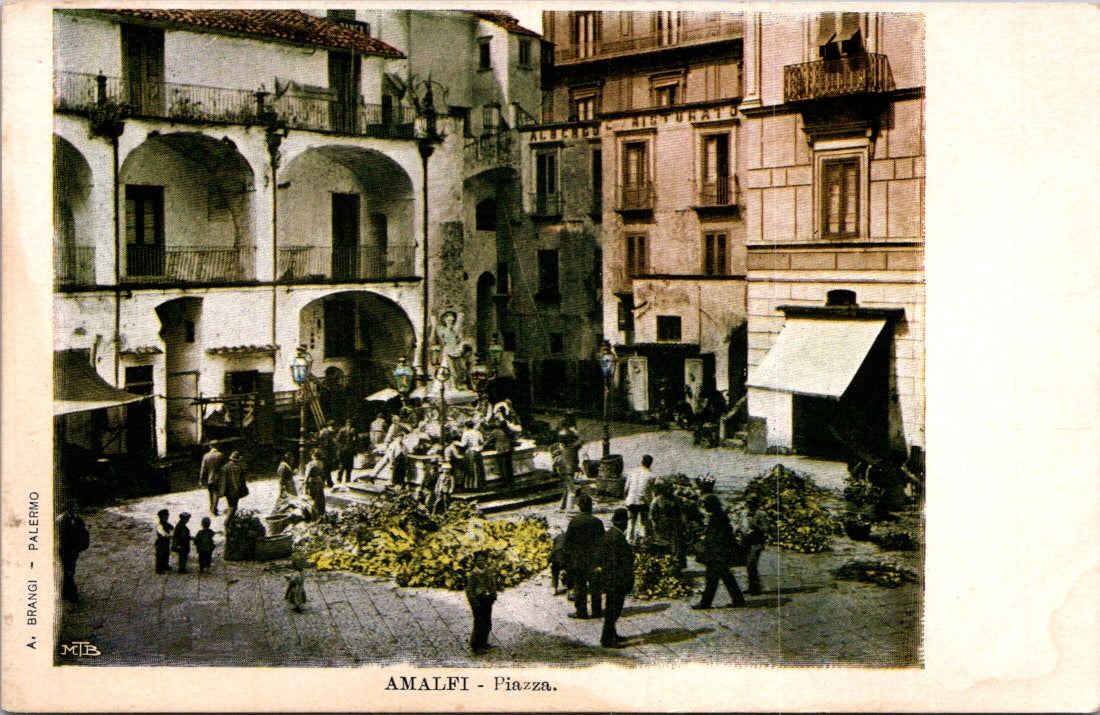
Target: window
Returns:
[714, 254]
[665, 95]
[504, 279]
[715, 170]
[524, 53]
[635, 166]
[484, 56]
[626, 312]
[838, 33]
[626, 23]
[546, 173]
[490, 119]
[668, 329]
[667, 27]
[840, 198]
[637, 255]
[584, 108]
[557, 343]
[485, 215]
[586, 33]
[548, 276]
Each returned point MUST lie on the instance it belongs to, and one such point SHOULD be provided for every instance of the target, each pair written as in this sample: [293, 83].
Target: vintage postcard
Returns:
[637, 356]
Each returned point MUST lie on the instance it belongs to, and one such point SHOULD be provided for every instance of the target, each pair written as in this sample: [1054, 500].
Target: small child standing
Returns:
[162, 542]
[181, 541]
[296, 588]
[481, 593]
[204, 545]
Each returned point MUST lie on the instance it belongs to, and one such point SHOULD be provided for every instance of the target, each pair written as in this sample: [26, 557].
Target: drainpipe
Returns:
[118, 256]
[274, 133]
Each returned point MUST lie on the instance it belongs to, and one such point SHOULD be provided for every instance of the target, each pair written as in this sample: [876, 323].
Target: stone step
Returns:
[519, 502]
[532, 482]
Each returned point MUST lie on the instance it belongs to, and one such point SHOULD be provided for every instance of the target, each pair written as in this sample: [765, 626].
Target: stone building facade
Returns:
[832, 172]
[640, 124]
[232, 184]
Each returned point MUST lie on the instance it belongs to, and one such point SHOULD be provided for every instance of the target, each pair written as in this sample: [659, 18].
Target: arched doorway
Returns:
[486, 312]
[186, 210]
[74, 248]
[180, 329]
[340, 210]
[356, 339]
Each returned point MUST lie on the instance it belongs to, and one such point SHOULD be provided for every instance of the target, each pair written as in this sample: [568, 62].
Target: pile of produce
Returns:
[659, 576]
[396, 537]
[880, 573]
[241, 534]
[896, 540]
[794, 517]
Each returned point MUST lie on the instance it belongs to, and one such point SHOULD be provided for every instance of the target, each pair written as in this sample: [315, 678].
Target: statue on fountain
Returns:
[456, 351]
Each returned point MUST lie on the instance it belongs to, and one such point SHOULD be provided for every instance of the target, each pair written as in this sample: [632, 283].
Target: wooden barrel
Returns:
[609, 479]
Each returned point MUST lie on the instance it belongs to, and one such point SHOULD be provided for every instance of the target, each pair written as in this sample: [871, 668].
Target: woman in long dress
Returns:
[448, 332]
[288, 490]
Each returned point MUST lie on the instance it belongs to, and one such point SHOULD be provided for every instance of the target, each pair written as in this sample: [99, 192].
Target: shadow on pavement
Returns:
[766, 602]
[543, 648]
[637, 610]
[666, 636]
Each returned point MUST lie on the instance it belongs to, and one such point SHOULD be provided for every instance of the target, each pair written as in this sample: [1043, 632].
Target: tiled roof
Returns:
[290, 25]
[242, 349]
[505, 20]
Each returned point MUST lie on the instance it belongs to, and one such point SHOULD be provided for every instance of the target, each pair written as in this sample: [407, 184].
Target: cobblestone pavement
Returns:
[236, 615]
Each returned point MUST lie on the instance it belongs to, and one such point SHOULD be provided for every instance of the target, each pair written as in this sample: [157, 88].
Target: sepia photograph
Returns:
[486, 351]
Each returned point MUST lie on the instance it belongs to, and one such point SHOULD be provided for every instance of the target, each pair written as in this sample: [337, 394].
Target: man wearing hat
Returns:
[615, 575]
[212, 463]
[72, 538]
[232, 484]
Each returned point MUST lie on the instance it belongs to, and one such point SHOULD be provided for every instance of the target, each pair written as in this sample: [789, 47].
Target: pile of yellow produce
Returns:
[395, 537]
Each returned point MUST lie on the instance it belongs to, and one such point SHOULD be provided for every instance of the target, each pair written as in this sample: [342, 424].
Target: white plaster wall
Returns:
[86, 45]
[213, 60]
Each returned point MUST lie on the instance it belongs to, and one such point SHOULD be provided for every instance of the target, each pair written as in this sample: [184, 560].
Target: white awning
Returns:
[77, 387]
[816, 357]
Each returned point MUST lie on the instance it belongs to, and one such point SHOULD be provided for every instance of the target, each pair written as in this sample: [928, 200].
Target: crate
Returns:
[274, 547]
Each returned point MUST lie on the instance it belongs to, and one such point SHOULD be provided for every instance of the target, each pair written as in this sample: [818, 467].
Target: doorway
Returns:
[345, 236]
[143, 69]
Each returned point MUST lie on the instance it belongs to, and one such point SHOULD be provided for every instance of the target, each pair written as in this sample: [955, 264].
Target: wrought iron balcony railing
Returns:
[494, 148]
[84, 92]
[723, 191]
[190, 264]
[73, 265]
[862, 73]
[690, 35]
[545, 204]
[303, 263]
[637, 196]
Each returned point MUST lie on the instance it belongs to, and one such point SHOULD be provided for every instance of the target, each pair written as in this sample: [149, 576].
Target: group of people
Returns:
[223, 478]
[177, 539]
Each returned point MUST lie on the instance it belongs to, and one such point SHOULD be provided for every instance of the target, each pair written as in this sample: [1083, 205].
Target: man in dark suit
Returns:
[615, 569]
[581, 537]
[717, 555]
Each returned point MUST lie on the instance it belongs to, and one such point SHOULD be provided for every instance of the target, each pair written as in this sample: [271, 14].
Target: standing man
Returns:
[346, 444]
[377, 431]
[315, 474]
[637, 498]
[499, 440]
[473, 442]
[212, 463]
[232, 483]
[326, 440]
[581, 537]
[717, 556]
[615, 569]
[72, 538]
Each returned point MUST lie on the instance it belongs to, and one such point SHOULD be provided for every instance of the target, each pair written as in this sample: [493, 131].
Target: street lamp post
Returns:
[607, 367]
[403, 379]
[299, 372]
[442, 374]
[426, 142]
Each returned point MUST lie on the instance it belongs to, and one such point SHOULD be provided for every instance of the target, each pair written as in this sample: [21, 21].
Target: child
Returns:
[162, 541]
[296, 588]
[481, 592]
[444, 487]
[181, 541]
[557, 562]
[204, 544]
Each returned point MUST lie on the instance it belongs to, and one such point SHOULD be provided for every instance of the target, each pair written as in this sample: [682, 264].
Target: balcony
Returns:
[73, 266]
[636, 197]
[687, 36]
[189, 264]
[855, 74]
[719, 197]
[75, 92]
[305, 264]
[494, 149]
[545, 205]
